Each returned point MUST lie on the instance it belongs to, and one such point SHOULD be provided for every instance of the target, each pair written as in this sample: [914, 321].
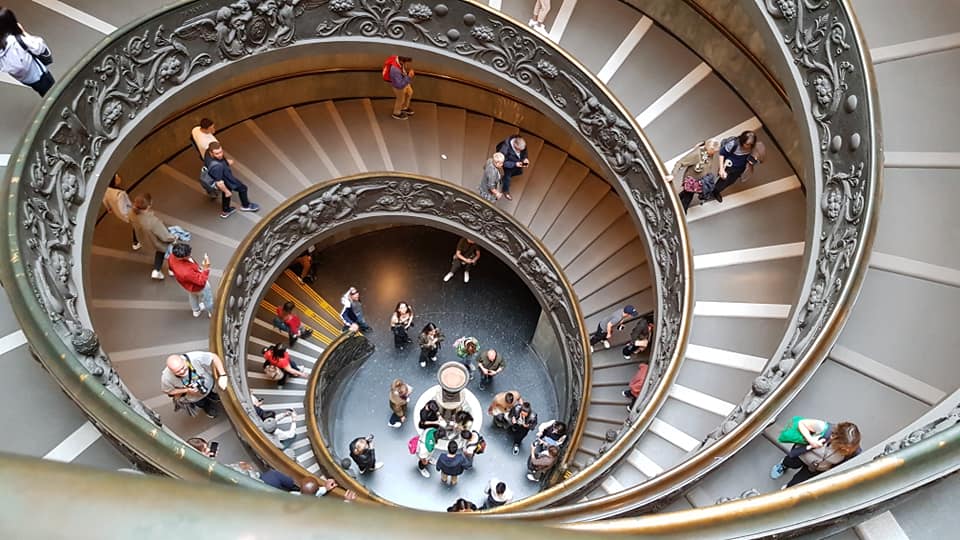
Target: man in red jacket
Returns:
[193, 277]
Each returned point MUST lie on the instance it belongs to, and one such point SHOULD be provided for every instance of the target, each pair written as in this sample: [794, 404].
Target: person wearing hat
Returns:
[605, 327]
[272, 426]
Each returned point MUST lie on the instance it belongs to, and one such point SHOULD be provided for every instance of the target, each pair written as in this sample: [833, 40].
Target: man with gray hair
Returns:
[514, 150]
[491, 183]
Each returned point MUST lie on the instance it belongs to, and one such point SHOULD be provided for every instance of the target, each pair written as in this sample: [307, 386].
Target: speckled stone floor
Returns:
[408, 263]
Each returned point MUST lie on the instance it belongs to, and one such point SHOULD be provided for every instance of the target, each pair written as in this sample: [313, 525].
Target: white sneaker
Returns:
[156, 274]
[394, 425]
[171, 273]
[424, 473]
[606, 344]
[378, 465]
[196, 314]
[532, 23]
[447, 277]
[542, 29]
[466, 276]
[591, 348]
[136, 246]
[202, 306]
[531, 477]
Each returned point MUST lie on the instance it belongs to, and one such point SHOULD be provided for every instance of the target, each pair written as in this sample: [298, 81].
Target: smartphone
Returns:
[214, 448]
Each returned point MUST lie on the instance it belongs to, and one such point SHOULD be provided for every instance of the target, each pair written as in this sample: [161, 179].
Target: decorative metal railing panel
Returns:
[58, 173]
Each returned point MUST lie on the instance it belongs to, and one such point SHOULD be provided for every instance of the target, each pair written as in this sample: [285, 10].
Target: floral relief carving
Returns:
[380, 18]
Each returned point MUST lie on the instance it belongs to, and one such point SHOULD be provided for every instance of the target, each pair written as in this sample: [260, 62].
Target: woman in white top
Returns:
[118, 203]
[17, 54]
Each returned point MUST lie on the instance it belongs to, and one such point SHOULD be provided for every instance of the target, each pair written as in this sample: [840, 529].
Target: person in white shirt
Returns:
[17, 56]
[203, 135]
[118, 203]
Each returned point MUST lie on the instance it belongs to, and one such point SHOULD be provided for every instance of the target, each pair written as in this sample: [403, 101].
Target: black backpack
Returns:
[208, 182]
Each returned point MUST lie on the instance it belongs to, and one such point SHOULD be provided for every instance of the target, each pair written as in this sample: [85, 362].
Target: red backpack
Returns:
[392, 61]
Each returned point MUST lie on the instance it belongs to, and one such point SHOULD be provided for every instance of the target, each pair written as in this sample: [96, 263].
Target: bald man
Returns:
[189, 380]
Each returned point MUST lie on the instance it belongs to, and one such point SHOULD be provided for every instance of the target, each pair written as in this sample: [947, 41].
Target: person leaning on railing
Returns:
[818, 447]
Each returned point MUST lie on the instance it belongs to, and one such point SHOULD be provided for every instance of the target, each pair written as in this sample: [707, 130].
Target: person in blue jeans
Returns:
[219, 169]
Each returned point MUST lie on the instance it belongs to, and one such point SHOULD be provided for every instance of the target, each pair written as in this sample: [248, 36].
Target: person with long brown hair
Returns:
[151, 232]
[834, 445]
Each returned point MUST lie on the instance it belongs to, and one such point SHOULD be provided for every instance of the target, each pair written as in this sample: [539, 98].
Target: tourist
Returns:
[364, 455]
[472, 443]
[397, 71]
[540, 10]
[426, 443]
[635, 386]
[352, 312]
[825, 446]
[452, 464]
[152, 232]
[117, 202]
[521, 419]
[542, 458]
[219, 170]
[466, 348]
[400, 322]
[399, 398]
[193, 277]
[492, 180]
[738, 157]
[277, 356]
[287, 321]
[430, 340]
[203, 135]
[200, 445]
[497, 494]
[552, 433]
[605, 328]
[430, 416]
[23, 56]
[285, 435]
[501, 405]
[302, 266]
[462, 505]
[514, 150]
[698, 172]
[490, 365]
[639, 337]
[466, 257]
[189, 380]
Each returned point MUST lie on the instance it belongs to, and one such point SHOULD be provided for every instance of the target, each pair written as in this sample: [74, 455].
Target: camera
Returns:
[370, 437]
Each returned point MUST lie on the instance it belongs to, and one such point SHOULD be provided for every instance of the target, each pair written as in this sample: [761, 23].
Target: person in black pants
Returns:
[514, 150]
[226, 182]
[521, 420]
[840, 443]
[738, 156]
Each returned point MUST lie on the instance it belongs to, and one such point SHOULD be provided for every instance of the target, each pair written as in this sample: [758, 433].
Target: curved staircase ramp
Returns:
[891, 272]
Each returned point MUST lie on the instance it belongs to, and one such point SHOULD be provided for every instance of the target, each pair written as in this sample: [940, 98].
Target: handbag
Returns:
[791, 433]
[272, 372]
[45, 57]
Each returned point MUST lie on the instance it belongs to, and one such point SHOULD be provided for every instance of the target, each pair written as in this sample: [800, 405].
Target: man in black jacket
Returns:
[226, 182]
[514, 150]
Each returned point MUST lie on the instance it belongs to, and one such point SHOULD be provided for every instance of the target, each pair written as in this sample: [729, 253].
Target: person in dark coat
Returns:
[514, 151]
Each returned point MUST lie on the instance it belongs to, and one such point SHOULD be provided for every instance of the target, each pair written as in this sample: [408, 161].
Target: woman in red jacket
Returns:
[277, 356]
[193, 277]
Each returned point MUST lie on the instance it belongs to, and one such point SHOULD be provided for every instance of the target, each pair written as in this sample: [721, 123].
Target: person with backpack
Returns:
[23, 56]
[152, 232]
[222, 176]
[698, 172]
[287, 321]
[423, 445]
[498, 494]
[514, 150]
[193, 277]
[818, 447]
[542, 457]
[118, 203]
[278, 357]
[738, 157]
[397, 72]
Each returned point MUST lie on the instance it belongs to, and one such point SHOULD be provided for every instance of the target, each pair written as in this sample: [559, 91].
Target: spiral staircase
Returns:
[748, 252]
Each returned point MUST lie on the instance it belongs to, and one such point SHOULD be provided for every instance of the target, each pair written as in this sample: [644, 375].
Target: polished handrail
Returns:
[317, 441]
[97, 110]
[329, 207]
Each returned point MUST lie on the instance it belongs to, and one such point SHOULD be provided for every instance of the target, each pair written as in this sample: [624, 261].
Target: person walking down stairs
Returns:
[193, 277]
[397, 72]
[540, 10]
[152, 232]
[118, 203]
[605, 328]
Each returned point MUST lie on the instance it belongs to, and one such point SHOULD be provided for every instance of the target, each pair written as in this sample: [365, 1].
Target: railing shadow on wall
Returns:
[136, 76]
[332, 207]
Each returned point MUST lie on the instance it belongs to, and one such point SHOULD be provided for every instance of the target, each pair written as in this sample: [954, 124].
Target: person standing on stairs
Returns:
[514, 150]
[118, 203]
[397, 71]
[23, 56]
[492, 181]
[189, 380]
[639, 337]
[616, 320]
[203, 136]
[466, 257]
[738, 156]
[400, 323]
[698, 172]
[352, 312]
[193, 277]
[278, 357]
[540, 10]
[151, 231]
[219, 169]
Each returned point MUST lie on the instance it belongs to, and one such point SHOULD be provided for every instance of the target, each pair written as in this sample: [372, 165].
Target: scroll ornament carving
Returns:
[928, 430]
[816, 33]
